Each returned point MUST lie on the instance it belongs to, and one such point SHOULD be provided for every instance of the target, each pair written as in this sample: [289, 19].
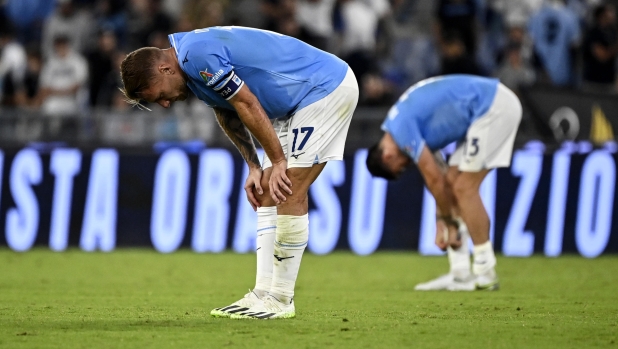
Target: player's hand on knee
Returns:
[253, 183]
[279, 182]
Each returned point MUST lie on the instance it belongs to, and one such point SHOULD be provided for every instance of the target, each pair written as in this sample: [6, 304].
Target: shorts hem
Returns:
[331, 158]
[487, 167]
[310, 164]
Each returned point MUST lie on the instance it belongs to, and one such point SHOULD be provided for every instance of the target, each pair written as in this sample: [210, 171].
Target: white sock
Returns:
[290, 243]
[484, 258]
[459, 259]
[266, 227]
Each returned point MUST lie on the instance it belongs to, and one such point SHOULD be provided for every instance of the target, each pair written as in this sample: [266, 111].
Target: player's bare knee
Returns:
[265, 199]
[265, 185]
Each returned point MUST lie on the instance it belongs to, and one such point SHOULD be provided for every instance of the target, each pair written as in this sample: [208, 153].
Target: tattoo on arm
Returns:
[238, 133]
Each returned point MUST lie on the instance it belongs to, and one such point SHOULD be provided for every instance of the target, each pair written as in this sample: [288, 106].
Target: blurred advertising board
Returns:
[564, 114]
[105, 199]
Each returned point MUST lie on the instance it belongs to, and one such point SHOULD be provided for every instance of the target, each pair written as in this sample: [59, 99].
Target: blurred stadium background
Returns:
[79, 166]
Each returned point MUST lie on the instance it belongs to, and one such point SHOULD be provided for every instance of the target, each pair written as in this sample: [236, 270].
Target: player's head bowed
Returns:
[136, 71]
[375, 165]
[153, 75]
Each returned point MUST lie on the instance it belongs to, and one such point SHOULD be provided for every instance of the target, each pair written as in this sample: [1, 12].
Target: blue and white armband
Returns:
[229, 86]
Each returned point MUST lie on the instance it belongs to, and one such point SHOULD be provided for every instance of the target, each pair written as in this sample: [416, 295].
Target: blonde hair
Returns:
[137, 70]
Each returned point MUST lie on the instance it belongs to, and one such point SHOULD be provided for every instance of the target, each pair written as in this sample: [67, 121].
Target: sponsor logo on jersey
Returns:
[206, 76]
[209, 78]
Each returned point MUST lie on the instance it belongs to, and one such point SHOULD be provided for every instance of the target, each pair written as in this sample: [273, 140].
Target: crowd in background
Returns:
[61, 57]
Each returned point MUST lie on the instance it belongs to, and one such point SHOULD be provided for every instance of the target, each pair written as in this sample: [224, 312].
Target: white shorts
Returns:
[317, 132]
[489, 140]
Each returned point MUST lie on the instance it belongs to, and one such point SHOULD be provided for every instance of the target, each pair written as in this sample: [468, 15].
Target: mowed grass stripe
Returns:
[142, 299]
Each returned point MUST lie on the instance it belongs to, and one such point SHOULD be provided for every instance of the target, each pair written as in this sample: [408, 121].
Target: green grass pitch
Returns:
[142, 299]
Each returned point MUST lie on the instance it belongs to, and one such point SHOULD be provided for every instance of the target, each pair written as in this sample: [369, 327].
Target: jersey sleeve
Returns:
[212, 68]
[405, 131]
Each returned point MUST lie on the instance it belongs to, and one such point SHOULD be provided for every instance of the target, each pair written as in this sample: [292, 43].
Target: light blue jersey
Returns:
[438, 111]
[284, 73]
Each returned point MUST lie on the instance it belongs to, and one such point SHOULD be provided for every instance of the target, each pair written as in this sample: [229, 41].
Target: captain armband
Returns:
[229, 86]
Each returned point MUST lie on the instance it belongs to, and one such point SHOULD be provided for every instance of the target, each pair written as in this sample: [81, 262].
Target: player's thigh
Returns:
[303, 177]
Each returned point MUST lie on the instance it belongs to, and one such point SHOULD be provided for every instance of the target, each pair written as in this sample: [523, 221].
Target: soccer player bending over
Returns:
[296, 100]
[482, 116]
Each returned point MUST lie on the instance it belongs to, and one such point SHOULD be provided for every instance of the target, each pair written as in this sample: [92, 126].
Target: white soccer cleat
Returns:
[270, 308]
[249, 300]
[463, 284]
[438, 284]
[485, 282]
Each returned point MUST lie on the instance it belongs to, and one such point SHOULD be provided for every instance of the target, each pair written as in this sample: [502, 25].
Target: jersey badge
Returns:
[206, 76]
[209, 78]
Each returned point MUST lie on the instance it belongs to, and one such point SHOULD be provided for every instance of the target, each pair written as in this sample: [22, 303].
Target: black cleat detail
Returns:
[280, 259]
[266, 316]
[229, 307]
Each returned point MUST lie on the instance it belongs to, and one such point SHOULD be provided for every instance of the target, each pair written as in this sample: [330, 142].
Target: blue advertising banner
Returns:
[105, 199]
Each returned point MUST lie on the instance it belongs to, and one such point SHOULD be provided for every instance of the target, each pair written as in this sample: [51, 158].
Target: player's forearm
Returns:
[236, 131]
[434, 171]
[446, 183]
[440, 191]
[255, 119]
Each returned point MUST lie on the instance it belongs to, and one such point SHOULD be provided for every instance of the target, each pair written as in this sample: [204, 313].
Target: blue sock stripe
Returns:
[271, 227]
[291, 245]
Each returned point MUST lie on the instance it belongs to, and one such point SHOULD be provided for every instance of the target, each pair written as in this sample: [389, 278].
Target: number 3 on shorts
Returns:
[305, 130]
